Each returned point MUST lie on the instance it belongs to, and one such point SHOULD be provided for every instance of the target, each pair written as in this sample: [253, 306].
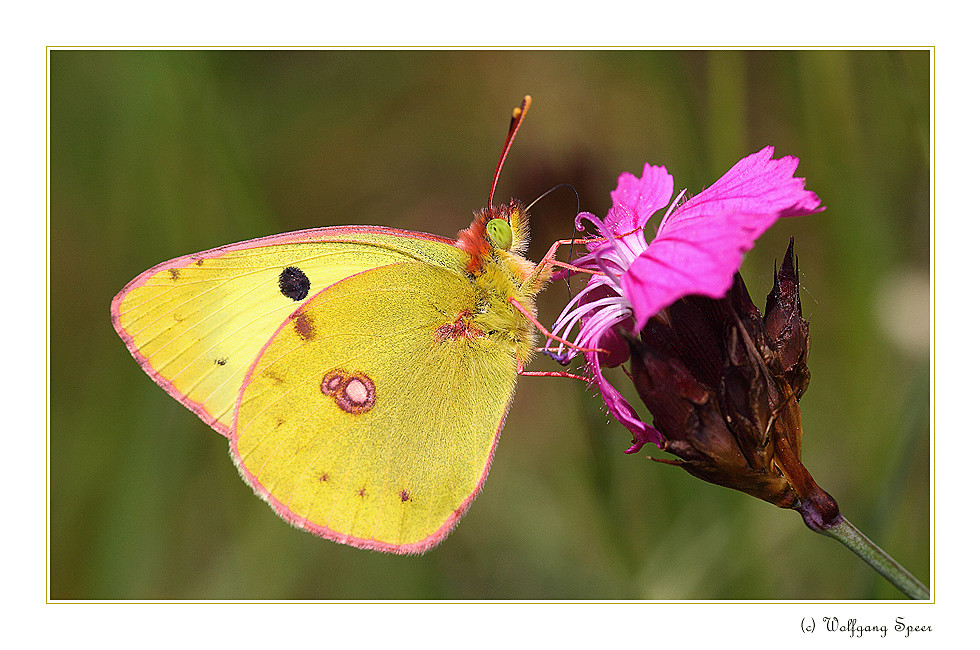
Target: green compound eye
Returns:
[500, 234]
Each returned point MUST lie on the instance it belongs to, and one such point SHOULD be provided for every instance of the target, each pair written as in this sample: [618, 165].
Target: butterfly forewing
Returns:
[196, 323]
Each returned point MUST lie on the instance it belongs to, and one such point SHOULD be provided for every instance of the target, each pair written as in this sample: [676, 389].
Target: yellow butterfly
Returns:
[361, 374]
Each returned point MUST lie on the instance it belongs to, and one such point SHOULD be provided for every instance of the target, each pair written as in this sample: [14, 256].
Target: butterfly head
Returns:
[500, 229]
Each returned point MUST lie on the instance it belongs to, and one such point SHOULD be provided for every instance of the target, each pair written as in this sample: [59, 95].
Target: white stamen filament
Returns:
[613, 257]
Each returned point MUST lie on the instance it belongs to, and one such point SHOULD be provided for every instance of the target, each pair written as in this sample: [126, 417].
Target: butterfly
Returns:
[361, 374]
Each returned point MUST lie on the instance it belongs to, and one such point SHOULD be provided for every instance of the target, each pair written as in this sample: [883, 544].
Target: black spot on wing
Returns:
[293, 283]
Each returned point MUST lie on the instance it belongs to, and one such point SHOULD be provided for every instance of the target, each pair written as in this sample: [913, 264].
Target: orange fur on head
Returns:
[475, 242]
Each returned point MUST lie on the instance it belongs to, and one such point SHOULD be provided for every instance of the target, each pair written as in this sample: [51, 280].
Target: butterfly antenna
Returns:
[557, 187]
[515, 123]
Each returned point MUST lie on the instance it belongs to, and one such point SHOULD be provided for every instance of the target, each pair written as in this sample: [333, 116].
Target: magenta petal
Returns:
[636, 199]
[757, 188]
[700, 246]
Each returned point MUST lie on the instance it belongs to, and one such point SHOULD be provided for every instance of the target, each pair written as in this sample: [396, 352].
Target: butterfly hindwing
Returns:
[372, 414]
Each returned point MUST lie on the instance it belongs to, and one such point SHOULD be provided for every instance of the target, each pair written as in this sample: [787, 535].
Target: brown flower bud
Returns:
[788, 333]
[722, 383]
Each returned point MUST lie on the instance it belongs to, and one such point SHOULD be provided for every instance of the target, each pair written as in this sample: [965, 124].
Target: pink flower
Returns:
[698, 249]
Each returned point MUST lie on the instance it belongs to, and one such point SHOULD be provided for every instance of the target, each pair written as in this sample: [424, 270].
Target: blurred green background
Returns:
[163, 153]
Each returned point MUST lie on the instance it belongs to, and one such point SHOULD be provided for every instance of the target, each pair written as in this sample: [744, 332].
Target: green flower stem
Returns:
[845, 533]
